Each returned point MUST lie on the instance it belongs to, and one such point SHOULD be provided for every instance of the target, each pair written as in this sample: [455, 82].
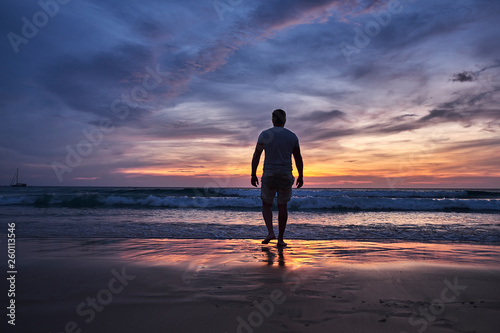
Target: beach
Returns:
[191, 260]
[149, 147]
[206, 285]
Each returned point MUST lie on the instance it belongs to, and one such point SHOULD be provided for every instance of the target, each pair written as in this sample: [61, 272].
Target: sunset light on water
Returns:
[250, 166]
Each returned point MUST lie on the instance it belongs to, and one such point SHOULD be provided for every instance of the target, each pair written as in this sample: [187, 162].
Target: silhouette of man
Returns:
[279, 144]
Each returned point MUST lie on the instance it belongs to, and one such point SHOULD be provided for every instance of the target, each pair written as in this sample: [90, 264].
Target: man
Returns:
[279, 144]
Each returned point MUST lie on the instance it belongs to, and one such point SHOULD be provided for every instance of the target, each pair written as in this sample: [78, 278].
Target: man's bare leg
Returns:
[282, 219]
[267, 214]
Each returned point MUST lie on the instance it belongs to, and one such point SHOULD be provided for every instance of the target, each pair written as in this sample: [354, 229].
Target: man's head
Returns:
[279, 117]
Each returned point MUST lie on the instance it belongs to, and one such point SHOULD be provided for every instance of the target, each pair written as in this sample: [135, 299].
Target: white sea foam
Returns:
[315, 199]
[383, 214]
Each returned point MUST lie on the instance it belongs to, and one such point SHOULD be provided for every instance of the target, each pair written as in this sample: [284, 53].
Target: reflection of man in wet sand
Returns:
[280, 144]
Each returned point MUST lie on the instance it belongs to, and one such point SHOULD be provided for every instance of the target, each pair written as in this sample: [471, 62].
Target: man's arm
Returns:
[300, 165]
[255, 163]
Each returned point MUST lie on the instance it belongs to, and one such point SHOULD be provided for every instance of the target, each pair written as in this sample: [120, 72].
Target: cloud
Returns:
[472, 144]
[442, 115]
[222, 79]
[465, 76]
[322, 116]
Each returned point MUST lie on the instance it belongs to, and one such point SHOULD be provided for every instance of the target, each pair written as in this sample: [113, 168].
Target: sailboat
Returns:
[15, 180]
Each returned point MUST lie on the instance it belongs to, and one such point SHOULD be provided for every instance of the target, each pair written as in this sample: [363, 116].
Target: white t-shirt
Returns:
[279, 144]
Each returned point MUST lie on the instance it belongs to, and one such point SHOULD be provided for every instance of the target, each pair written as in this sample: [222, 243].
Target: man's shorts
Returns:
[280, 183]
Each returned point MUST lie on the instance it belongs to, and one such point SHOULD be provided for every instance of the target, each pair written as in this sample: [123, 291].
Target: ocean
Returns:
[423, 215]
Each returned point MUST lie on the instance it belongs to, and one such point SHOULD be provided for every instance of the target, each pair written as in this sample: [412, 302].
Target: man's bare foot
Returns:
[268, 239]
[281, 243]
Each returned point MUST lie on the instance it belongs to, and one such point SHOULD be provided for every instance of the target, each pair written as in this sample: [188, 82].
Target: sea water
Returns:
[459, 215]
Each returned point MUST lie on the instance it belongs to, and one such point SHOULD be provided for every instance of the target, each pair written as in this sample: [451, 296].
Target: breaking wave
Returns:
[232, 198]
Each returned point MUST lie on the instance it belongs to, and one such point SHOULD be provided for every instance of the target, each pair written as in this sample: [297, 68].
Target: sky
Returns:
[392, 94]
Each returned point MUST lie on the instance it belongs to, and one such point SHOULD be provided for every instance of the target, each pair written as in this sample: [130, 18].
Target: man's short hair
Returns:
[279, 117]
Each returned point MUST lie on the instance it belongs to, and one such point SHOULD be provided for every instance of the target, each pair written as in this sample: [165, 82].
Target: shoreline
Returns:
[158, 285]
[324, 251]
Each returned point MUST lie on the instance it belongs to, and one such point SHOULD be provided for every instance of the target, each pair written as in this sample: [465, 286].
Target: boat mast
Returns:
[15, 179]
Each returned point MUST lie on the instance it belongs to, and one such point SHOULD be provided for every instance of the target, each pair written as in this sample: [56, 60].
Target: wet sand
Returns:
[148, 285]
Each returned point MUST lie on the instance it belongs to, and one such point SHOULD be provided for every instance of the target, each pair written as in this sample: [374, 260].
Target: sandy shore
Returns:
[119, 285]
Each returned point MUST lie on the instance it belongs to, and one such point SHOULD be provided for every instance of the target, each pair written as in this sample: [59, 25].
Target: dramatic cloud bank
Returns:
[175, 93]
